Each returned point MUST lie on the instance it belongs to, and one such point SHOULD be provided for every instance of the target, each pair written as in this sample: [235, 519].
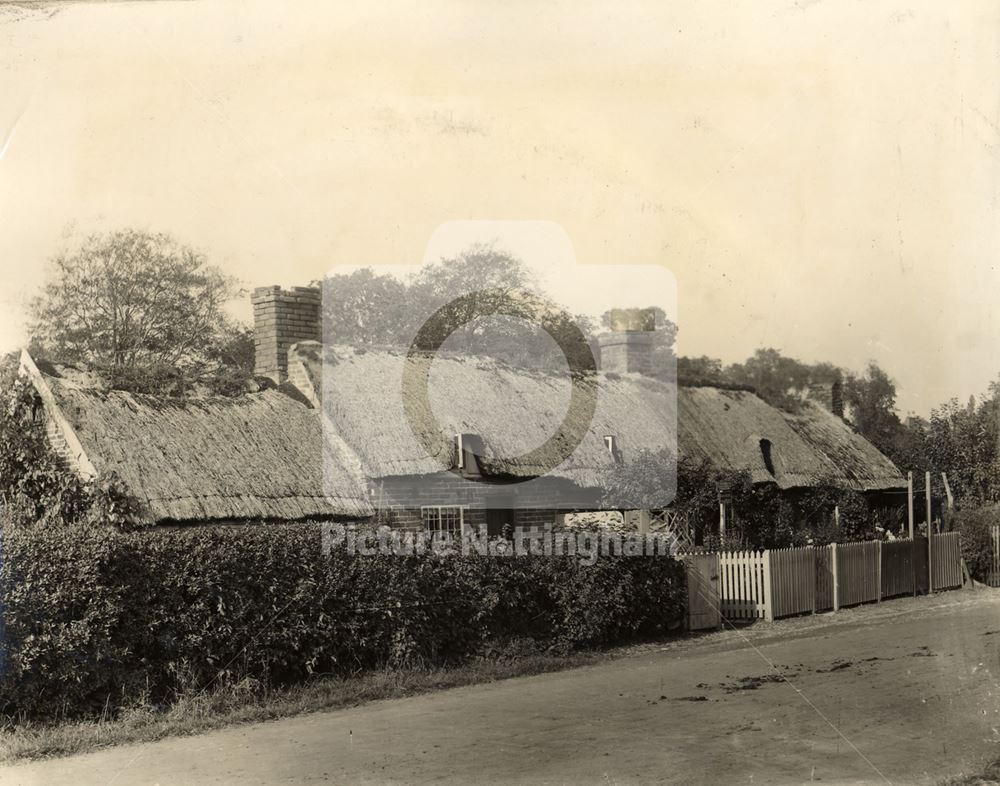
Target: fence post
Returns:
[768, 594]
[930, 534]
[836, 583]
[909, 501]
[878, 575]
[812, 557]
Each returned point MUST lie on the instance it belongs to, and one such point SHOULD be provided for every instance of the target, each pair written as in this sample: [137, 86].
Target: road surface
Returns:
[906, 692]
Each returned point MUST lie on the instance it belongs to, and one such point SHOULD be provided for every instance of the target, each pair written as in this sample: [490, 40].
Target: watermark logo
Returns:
[586, 546]
[499, 377]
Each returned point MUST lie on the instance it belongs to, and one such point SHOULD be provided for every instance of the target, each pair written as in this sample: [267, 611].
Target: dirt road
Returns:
[907, 692]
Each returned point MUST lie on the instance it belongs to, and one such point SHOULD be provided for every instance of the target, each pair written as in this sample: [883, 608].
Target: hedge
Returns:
[976, 525]
[94, 617]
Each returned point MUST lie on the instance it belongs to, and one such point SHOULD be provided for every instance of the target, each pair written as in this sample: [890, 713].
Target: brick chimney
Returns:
[829, 395]
[283, 317]
[628, 348]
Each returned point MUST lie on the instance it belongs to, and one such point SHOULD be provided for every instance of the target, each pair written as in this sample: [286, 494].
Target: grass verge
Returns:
[244, 702]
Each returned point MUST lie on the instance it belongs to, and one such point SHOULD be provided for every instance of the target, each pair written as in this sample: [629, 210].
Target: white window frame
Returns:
[440, 509]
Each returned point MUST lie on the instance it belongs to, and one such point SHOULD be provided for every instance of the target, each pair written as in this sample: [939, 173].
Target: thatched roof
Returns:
[726, 426]
[484, 398]
[807, 447]
[257, 456]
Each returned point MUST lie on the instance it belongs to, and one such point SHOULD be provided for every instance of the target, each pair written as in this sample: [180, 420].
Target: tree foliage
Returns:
[871, 398]
[36, 488]
[139, 307]
[524, 327]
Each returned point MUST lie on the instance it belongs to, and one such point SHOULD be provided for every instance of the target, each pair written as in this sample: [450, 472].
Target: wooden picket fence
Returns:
[743, 585]
[859, 578]
[898, 577]
[946, 556]
[778, 583]
[793, 581]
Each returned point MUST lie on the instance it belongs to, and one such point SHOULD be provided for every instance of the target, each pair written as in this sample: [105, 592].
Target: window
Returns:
[468, 448]
[443, 518]
[611, 443]
[765, 452]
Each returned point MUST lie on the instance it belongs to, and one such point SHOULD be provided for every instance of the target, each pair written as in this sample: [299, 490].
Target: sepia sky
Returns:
[820, 177]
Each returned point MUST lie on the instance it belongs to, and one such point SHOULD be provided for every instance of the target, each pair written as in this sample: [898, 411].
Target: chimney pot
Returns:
[829, 395]
[628, 348]
[282, 318]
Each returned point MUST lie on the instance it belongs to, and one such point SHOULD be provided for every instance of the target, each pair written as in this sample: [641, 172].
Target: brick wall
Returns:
[402, 499]
[283, 317]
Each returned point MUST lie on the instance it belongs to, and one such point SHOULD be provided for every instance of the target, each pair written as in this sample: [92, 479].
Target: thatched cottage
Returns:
[262, 456]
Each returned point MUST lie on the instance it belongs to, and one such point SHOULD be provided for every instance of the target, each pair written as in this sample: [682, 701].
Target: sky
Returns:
[819, 177]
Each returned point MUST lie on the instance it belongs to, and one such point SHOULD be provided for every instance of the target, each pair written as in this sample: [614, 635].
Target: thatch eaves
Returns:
[260, 456]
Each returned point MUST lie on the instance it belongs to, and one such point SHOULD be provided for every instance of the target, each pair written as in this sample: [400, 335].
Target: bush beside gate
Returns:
[95, 617]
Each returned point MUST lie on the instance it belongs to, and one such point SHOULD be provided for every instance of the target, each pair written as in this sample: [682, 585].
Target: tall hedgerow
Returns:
[95, 616]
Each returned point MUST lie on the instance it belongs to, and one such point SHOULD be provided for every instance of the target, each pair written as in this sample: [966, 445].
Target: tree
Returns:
[700, 370]
[776, 378]
[871, 397]
[962, 441]
[130, 301]
[365, 309]
[446, 301]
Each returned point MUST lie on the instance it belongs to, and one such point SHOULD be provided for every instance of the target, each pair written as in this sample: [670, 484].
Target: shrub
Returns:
[96, 616]
[35, 485]
[976, 526]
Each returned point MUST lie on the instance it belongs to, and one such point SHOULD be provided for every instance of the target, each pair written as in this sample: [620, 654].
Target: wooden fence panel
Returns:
[703, 591]
[858, 567]
[920, 564]
[824, 578]
[947, 557]
[897, 568]
[793, 581]
[741, 585]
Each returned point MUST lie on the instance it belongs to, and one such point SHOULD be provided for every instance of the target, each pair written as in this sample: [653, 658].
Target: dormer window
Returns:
[765, 452]
[468, 448]
[611, 443]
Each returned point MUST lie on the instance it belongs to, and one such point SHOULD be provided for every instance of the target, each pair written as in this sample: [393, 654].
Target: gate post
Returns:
[768, 593]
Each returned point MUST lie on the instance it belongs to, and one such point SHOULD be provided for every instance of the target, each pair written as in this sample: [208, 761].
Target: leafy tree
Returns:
[363, 308]
[127, 298]
[704, 370]
[366, 309]
[779, 379]
[129, 301]
[871, 397]
[962, 441]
